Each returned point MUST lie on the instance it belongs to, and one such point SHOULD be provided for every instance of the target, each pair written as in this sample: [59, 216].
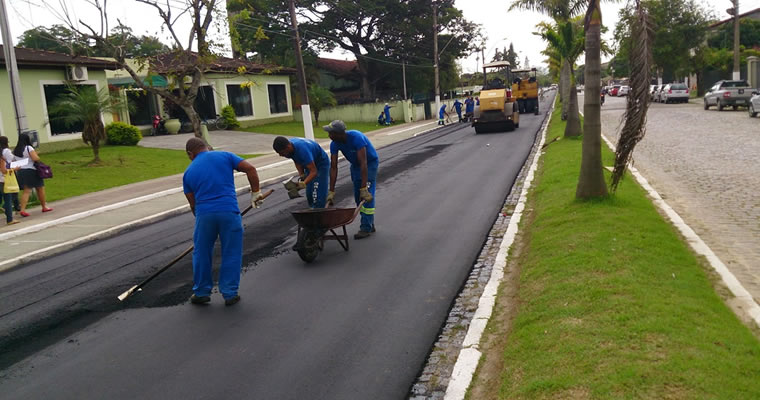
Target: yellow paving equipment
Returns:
[525, 90]
[497, 111]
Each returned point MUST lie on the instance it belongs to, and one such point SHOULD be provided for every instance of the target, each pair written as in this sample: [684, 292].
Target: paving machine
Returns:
[525, 90]
[498, 110]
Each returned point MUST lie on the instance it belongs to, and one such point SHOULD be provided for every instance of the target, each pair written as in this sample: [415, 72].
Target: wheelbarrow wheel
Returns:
[310, 244]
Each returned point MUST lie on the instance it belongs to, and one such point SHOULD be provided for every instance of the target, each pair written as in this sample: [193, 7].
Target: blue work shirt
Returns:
[355, 141]
[442, 111]
[387, 111]
[469, 105]
[458, 105]
[210, 178]
[308, 151]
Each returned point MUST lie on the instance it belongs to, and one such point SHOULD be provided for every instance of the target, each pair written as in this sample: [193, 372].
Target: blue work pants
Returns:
[9, 199]
[316, 190]
[367, 211]
[228, 227]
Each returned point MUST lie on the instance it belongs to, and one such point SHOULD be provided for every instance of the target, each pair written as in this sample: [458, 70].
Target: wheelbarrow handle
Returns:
[264, 196]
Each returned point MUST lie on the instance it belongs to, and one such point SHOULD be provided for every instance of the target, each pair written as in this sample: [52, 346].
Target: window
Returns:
[142, 107]
[57, 126]
[240, 99]
[204, 105]
[278, 100]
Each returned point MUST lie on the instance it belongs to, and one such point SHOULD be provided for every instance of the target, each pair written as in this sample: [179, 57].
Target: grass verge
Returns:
[612, 304]
[295, 128]
[121, 165]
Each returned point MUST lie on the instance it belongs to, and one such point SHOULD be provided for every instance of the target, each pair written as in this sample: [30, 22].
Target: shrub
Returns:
[120, 133]
[228, 113]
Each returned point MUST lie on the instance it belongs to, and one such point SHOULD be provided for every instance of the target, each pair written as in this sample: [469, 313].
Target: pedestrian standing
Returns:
[458, 108]
[209, 185]
[469, 108]
[6, 195]
[313, 167]
[28, 178]
[387, 111]
[360, 153]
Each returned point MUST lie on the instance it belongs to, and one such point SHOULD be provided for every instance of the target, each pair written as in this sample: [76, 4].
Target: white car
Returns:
[754, 104]
[674, 93]
[623, 91]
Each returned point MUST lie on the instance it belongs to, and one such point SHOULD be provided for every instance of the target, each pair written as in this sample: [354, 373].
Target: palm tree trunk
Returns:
[96, 150]
[573, 126]
[591, 180]
[564, 87]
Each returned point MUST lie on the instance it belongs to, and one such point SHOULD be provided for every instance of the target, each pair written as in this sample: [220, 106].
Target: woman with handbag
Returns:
[28, 177]
[9, 191]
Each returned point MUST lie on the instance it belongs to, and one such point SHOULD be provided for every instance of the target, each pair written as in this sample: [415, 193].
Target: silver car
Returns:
[623, 91]
[754, 104]
[728, 93]
[674, 93]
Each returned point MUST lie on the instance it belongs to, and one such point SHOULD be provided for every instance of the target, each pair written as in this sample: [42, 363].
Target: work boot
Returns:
[373, 229]
[200, 299]
[361, 235]
[232, 300]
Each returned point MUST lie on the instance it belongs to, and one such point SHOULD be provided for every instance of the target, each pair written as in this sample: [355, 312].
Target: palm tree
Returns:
[591, 179]
[320, 98]
[566, 39]
[85, 105]
[561, 11]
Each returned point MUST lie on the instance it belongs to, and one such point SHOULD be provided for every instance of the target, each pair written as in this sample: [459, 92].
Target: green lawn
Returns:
[613, 304]
[295, 128]
[73, 175]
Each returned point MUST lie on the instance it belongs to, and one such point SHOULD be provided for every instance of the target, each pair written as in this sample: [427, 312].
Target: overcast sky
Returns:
[501, 26]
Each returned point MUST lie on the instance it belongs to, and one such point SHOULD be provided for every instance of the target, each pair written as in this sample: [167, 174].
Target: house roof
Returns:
[44, 58]
[338, 67]
[170, 62]
[746, 14]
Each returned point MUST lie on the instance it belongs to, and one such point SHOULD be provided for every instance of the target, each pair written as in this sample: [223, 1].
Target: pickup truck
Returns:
[728, 93]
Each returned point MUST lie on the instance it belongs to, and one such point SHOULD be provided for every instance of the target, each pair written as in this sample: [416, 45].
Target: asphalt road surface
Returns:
[351, 325]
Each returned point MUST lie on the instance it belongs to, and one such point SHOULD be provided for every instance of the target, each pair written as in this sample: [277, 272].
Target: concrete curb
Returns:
[469, 357]
[744, 300]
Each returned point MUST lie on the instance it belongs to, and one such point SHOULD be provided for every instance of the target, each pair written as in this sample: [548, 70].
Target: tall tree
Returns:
[591, 179]
[57, 38]
[184, 67]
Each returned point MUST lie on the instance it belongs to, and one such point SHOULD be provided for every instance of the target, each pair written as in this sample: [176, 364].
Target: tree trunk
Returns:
[573, 127]
[591, 180]
[565, 82]
[194, 118]
[96, 150]
[364, 72]
[316, 117]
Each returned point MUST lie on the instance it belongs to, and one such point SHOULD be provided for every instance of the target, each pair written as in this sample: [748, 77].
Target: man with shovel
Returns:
[359, 151]
[209, 185]
[313, 167]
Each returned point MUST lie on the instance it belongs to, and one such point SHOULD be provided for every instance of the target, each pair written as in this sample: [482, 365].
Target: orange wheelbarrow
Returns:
[315, 225]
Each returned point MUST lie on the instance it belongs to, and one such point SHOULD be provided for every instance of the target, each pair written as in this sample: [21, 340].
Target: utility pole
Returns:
[435, 55]
[735, 12]
[305, 110]
[10, 64]
[403, 74]
[483, 55]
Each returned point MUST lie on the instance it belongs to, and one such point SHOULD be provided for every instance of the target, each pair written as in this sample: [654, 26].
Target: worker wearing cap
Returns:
[313, 167]
[209, 185]
[387, 111]
[362, 156]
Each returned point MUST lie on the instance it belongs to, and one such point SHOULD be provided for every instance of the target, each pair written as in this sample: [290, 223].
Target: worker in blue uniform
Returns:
[441, 113]
[469, 108]
[313, 167]
[458, 108]
[209, 186]
[387, 111]
[360, 153]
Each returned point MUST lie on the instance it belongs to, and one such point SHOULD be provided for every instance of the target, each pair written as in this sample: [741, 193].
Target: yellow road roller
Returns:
[525, 90]
[498, 109]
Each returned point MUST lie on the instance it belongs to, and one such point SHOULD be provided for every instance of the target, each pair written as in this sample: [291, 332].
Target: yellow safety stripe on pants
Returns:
[367, 211]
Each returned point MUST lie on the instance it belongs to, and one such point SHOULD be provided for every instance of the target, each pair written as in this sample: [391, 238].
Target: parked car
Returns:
[623, 91]
[754, 104]
[674, 93]
[614, 90]
[651, 90]
[728, 93]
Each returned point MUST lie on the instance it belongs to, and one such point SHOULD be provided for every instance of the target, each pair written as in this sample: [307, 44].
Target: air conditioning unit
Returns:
[76, 73]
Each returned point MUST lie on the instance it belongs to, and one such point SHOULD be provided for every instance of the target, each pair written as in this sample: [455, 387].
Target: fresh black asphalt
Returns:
[351, 325]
